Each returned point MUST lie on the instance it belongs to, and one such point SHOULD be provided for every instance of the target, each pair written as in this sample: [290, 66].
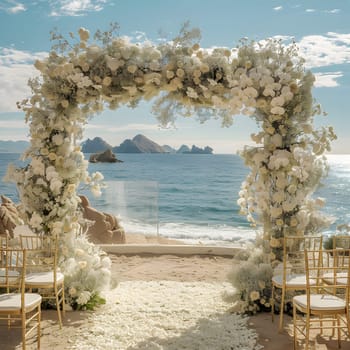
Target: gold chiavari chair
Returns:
[323, 306]
[292, 277]
[43, 274]
[341, 242]
[16, 306]
[3, 245]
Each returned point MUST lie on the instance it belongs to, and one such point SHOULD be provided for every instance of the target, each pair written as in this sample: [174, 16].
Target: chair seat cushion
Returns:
[12, 301]
[341, 278]
[294, 280]
[320, 302]
[43, 278]
[10, 273]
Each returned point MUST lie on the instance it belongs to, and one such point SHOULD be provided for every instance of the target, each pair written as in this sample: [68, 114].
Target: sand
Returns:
[211, 269]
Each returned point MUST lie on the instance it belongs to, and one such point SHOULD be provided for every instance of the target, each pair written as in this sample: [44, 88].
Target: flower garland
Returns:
[265, 81]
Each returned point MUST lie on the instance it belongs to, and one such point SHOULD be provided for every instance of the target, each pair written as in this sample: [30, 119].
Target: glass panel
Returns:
[134, 203]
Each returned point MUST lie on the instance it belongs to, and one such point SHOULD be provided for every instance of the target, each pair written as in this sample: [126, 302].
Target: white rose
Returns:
[35, 221]
[84, 297]
[57, 139]
[277, 110]
[55, 185]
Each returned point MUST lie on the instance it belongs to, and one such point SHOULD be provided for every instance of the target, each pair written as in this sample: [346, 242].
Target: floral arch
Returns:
[265, 81]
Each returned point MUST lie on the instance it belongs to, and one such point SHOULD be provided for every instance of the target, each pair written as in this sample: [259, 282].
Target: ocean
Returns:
[190, 197]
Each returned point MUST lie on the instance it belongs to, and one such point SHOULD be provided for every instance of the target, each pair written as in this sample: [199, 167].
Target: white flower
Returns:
[276, 139]
[106, 262]
[96, 190]
[35, 221]
[277, 110]
[83, 34]
[79, 252]
[72, 292]
[38, 166]
[275, 243]
[83, 297]
[276, 212]
[64, 103]
[254, 295]
[289, 205]
[57, 139]
[191, 93]
[82, 264]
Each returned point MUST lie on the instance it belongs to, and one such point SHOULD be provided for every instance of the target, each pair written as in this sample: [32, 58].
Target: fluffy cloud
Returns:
[16, 67]
[12, 7]
[327, 79]
[325, 50]
[75, 7]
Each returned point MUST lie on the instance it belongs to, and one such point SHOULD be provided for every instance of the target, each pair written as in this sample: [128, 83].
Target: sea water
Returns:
[190, 197]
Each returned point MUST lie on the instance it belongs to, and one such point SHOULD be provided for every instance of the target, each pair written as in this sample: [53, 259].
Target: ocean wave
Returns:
[205, 234]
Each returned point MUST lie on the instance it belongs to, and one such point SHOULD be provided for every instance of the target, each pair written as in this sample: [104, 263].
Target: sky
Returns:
[321, 29]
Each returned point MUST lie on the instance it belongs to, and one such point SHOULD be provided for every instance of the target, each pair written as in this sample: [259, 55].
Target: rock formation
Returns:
[139, 144]
[104, 228]
[105, 157]
[95, 145]
[9, 217]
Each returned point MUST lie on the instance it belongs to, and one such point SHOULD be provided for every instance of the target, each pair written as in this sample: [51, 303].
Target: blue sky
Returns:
[321, 29]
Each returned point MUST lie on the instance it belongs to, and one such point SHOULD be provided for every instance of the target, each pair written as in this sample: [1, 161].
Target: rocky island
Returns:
[139, 144]
[104, 157]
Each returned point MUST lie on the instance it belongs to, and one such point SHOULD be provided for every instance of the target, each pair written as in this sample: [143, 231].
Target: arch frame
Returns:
[266, 81]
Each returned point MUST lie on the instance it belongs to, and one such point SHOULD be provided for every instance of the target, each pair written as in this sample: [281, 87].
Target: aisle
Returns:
[164, 315]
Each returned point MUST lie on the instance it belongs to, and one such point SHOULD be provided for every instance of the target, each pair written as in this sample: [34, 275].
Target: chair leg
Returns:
[24, 331]
[280, 327]
[58, 307]
[39, 325]
[63, 301]
[295, 327]
[339, 333]
[272, 302]
[307, 331]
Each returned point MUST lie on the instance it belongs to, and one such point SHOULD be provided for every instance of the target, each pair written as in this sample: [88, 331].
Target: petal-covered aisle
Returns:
[164, 315]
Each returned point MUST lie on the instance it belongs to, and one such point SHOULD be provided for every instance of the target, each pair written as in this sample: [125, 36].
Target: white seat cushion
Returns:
[341, 278]
[10, 273]
[12, 301]
[294, 280]
[320, 302]
[41, 278]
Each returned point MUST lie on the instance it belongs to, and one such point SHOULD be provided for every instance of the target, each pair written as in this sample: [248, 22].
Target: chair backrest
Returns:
[12, 269]
[341, 241]
[41, 252]
[3, 245]
[4, 241]
[294, 250]
[31, 241]
[330, 274]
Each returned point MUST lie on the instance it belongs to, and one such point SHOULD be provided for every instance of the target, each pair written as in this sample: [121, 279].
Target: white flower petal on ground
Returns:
[165, 315]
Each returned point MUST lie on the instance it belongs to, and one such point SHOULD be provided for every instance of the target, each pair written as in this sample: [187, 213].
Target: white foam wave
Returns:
[205, 234]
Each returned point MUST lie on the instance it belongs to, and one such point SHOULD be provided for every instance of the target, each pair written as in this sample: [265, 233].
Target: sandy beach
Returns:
[144, 276]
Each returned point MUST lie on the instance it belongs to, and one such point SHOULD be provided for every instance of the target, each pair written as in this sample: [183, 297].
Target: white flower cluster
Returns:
[86, 270]
[265, 81]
